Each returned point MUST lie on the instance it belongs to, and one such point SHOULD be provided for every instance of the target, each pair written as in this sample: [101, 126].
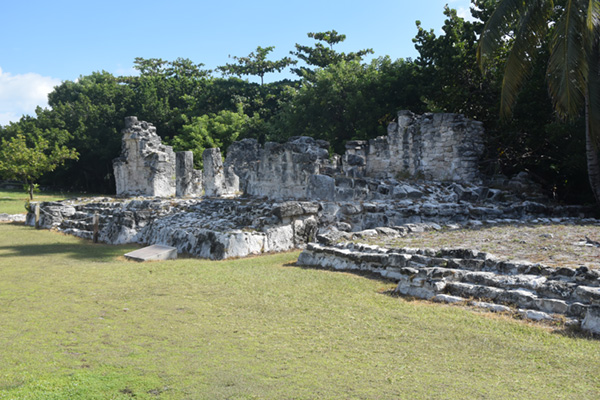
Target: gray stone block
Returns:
[153, 253]
[321, 187]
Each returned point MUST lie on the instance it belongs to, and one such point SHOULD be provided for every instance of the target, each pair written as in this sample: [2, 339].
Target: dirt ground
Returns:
[556, 245]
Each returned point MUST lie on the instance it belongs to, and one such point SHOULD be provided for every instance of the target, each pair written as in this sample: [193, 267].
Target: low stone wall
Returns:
[534, 290]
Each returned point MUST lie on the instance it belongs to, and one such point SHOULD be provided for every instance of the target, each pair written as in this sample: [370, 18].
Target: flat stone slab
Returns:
[152, 253]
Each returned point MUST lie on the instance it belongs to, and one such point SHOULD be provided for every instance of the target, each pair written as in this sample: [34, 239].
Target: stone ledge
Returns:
[537, 291]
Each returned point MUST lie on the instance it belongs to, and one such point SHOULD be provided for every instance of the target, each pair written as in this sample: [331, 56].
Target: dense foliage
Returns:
[337, 96]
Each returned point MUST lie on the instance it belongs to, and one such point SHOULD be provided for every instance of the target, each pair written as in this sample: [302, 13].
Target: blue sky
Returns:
[43, 43]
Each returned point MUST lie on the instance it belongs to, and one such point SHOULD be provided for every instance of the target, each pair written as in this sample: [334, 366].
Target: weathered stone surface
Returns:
[321, 187]
[218, 180]
[277, 171]
[12, 217]
[216, 229]
[188, 180]
[153, 253]
[437, 146]
[591, 322]
[146, 166]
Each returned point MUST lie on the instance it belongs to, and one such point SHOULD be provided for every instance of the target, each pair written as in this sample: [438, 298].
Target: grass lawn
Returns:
[13, 201]
[77, 321]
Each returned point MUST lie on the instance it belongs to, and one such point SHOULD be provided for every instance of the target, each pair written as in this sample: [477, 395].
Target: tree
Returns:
[573, 67]
[350, 100]
[213, 130]
[27, 164]
[92, 110]
[450, 78]
[321, 55]
[256, 63]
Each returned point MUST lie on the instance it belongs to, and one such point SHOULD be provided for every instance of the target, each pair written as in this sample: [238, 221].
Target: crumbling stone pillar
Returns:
[188, 180]
[146, 166]
[217, 180]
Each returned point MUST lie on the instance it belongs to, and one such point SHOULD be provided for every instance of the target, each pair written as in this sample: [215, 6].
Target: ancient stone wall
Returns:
[433, 146]
[188, 180]
[277, 171]
[147, 167]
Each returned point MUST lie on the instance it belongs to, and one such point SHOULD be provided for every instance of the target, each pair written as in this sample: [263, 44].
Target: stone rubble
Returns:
[12, 217]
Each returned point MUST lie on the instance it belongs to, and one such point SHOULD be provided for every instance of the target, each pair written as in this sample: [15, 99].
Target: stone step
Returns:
[466, 260]
[416, 278]
[521, 298]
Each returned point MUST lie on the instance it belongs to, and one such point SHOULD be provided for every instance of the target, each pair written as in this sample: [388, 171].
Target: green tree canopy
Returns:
[28, 163]
[322, 55]
[213, 130]
[256, 64]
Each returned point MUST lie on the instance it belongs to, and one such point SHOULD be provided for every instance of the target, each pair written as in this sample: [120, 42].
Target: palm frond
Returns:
[568, 69]
[593, 15]
[530, 32]
[497, 27]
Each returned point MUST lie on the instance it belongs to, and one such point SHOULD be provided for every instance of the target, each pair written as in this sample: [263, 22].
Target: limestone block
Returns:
[321, 187]
[591, 322]
[217, 180]
[188, 180]
[153, 253]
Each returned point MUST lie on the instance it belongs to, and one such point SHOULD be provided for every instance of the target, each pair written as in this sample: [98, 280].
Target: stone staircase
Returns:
[533, 290]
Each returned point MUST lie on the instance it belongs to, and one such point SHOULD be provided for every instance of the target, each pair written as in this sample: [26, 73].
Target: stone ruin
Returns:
[280, 196]
[443, 147]
[147, 167]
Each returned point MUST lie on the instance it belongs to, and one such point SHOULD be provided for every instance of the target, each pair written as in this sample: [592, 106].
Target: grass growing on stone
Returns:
[77, 321]
[13, 201]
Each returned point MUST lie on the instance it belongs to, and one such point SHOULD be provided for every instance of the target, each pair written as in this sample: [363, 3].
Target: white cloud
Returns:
[20, 94]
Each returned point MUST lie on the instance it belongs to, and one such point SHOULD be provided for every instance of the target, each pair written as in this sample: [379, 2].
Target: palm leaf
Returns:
[593, 15]
[530, 32]
[497, 27]
[568, 68]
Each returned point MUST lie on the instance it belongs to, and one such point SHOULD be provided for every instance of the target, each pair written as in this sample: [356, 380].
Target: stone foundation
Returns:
[214, 229]
[533, 291]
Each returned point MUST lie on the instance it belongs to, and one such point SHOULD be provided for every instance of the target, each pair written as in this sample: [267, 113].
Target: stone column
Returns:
[184, 174]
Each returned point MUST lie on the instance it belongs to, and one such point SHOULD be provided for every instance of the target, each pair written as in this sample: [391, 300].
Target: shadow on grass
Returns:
[80, 251]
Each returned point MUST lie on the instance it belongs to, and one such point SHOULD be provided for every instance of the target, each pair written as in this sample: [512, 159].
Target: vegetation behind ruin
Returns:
[335, 96]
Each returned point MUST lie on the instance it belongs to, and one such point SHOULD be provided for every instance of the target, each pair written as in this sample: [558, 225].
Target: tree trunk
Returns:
[593, 159]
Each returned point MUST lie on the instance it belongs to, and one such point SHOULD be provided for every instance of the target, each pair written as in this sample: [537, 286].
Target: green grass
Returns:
[13, 201]
[77, 321]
